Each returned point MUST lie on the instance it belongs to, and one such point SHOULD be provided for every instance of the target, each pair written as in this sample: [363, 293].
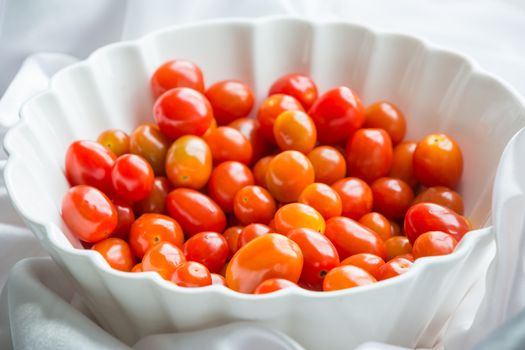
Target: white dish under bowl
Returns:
[438, 90]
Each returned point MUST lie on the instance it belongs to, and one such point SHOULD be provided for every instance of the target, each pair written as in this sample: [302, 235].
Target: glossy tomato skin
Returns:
[368, 262]
[116, 252]
[176, 73]
[392, 197]
[424, 217]
[402, 162]
[397, 246]
[182, 111]
[89, 163]
[377, 223]
[151, 229]
[253, 204]
[350, 238]
[226, 180]
[163, 258]
[393, 268]
[250, 128]
[191, 274]
[319, 254]
[294, 130]
[346, 276]
[272, 285]
[229, 144]
[218, 280]
[296, 85]
[443, 196]
[230, 100]
[259, 170]
[88, 213]
[148, 142]
[195, 212]
[329, 164]
[356, 197]
[337, 114]
[189, 162]
[250, 232]
[207, 248]
[387, 116]
[116, 140]
[231, 234]
[271, 108]
[156, 200]
[369, 154]
[125, 216]
[438, 161]
[269, 256]
[322, 198]
[132, 177]
[298, 215]
[433, 243]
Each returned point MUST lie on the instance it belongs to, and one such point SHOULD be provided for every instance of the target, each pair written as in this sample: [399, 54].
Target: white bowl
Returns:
[438, 90]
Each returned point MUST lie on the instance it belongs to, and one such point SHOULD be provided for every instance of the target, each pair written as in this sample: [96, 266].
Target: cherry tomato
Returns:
[137, 268]
[116, 140]
[346, 276]
[227, 143]
[88, 213]
[329, 164]
[191, 274]
[350, 238]
[408, 256]
[163, 258]
[433, 243]
[368, 262]
[230, 100]
[369, 154]
[151, 229]
[208, 248]
[377, 223]
[132, 177]
[156, 200]
[322, 198]
[272, 285]
[424, 217]
[232, 237]
[116, 252]
[394, 268]
[251, 232]
[402, 167]
[174, 74]
[288, 175]
[212, 127]
[218, 280]
[299, 86]
[195, 212]
[356, 197]
[253, 204]
[226, 180]
[268, 256]
[271, 108]
[182, 111]
[89, 163]
[294, 130]
[442, 196]
[189, 162]
[386, 116]
[298, 215]
[125, 217]
[392, 197]
[250, 128]
[396, 229]
[337, 114]
[148, 142]
[397, 246]
[319, 254]
[259, 170]
[438, 161]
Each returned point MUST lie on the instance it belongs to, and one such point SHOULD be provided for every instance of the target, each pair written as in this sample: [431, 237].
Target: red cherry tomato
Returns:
[231, 234]
[230, 100]
[347, 276]
[132, 177]
[272, 285]
[392, 197]
[251, 232]
[377, 223]
[271, 108]
[116, 252]
[253, 204]
[397, 246]
[298, 215]
[322, 198]
[182, 111]
[424, 217]
[299, 86]
[227, 143]
[442, 196]
[356, 197]
[89, 163]
[368, 262]
[218, 280]
[88, 213]
[151, 229]
[207, 248]
[337, 114]
[115, 140]
[148, 142]
[250, 128]
[386, 116]
[402, 167]
[156, 200]
[125, 216]
[174, 74]
[163, 258]
[433, 243]
[191, 274]
[329, 164]
[393, 268]
[195, 212]
[259, 170]
[294, 130]
[226, 180]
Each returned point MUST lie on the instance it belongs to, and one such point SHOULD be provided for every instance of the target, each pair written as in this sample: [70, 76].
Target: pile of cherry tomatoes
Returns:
[316, 192]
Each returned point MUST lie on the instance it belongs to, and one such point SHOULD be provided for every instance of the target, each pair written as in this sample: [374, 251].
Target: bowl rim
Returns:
[464, 247]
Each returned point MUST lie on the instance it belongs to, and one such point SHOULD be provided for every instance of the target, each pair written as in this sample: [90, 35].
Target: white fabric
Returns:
[38, 308]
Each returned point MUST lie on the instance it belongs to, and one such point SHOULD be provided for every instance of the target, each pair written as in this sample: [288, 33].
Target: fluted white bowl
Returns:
[438, 90]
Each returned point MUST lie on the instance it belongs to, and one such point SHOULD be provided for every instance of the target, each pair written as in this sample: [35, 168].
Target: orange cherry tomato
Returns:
[116, 252]
[299, 86]
[272, 285]
[163, 258]
[288, 175]
[132, 177]
[151, 229]
[329, 164]
[116, 140]
[253, 204]
[408, 256]
[195, 212]
[230, 100]
[191, 274]
[350, 238]
[294, 130]
[377, 223]
[346, 276]
[268, 256]
[402, 167]
[442, 196]
[369, 154]
[271, 108]
[393, 268]
[433, 243]
[189, 162]
[137, 268]
[156, 200]
[392, 197]
[259, 170]
[88, 213]
[298, 215]
[227, 143]
[148, 142]
[322, 198]
[218, 280]
[385, 115]
[125, 217]
[356, 197]
[174, 74]
[438, 161]
[368, 262]
[397, 246]
[337, 114]
[251, 232]
[250, 128]
[208, 248]
[231, 234]
[226, 180]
